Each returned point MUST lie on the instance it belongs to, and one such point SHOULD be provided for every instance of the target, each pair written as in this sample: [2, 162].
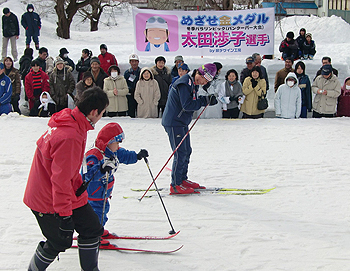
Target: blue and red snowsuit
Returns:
[95, 158]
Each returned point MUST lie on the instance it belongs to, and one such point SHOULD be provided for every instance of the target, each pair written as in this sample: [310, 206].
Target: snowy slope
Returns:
[301, 225]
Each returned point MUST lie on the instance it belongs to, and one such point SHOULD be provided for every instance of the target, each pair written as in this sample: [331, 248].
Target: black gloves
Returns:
[233, 99]
[212, 100]
[66, 227]
[108, 165]
[254, 82]
[143, 153]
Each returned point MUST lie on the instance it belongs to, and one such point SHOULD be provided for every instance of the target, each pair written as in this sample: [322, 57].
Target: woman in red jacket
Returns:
[54, 179]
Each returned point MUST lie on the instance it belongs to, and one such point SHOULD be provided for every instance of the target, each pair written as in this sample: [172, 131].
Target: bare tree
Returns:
[65, 10]
[94, 11]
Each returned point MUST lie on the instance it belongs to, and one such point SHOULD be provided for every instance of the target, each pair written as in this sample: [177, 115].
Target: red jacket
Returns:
[54, 176]
[45, 86]
[107, 60]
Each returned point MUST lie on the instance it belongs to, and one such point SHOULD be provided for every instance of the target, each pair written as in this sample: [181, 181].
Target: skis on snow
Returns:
[110, 246]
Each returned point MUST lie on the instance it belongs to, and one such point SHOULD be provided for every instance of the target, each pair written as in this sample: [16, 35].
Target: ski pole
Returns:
[84, 185]
[172, 231]
[178, 146]
[105, 198]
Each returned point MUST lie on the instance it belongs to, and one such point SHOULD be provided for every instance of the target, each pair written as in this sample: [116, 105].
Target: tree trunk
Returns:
[95, 15]
[65, 16]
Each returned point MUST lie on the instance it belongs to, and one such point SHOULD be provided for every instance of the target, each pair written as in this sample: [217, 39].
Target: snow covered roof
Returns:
[280, 8]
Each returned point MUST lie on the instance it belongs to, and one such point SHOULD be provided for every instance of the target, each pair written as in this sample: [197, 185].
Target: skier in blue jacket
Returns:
[5, 91]
[32, 24]
[104, 158]
[183, 101]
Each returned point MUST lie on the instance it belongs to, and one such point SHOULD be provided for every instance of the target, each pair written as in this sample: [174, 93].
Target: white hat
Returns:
[134, 57]
[156, 22]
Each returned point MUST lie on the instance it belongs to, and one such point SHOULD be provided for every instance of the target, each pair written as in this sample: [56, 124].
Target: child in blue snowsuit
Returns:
[5, 91]
[104, 158]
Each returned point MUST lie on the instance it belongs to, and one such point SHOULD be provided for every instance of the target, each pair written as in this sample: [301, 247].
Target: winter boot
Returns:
[180, 189]
[88, 253]
[41, 260]
[37, 46]
[188, 183]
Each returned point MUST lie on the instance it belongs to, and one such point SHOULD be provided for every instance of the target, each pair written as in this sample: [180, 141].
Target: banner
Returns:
[204, 33]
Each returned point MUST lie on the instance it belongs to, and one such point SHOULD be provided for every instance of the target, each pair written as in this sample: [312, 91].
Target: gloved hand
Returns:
[142, 153]
[108, 165]
[212, 100]
[233, 99]
[254, 82]
[66, 227]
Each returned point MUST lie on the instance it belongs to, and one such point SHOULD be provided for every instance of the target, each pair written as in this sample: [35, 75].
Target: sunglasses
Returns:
[156, 19]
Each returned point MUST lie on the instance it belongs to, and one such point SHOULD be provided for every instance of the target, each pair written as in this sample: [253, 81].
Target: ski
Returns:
[204, 192]
[115, 247]
[213, 189]
[126, 237]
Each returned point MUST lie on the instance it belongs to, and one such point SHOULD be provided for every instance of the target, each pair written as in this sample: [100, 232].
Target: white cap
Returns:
[134, 57]
[156, 22]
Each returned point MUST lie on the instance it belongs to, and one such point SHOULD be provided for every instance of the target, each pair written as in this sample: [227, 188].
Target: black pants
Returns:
[246, 116]
[14, 103]
[232, 113]
[160, 110]
[132, 105]
[86, 223]
[116, 114]
[319, 115]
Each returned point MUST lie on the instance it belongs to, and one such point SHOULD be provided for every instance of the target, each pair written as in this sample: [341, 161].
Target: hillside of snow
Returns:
[303, 224]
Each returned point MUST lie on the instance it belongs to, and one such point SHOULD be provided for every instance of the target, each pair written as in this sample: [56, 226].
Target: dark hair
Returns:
[327, 58]
[302, 65]
[289, 58]
[160, 58]
[35, 62]
[256, 68]
[141, 76]
[87, 51]
[91, 99]
[28, 52]
[231, 71]
[114, 67]
[9, 59]
[42, 50]
[218, 66]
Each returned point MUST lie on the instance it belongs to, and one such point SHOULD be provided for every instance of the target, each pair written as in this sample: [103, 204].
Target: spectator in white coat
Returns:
[288, 98]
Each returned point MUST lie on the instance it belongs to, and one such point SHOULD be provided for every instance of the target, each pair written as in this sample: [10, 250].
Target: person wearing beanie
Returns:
[300, 40]
[183, 101]
[98, 74]
[84, 63]
[36, 82]
[282, 73]
[162, 74]
[116, 88]
[157, 35]
[289, 47]
[327, 89]
[305, 87]
[178, 60]
[62, 84]
[10, 32]
[103, 161]
[31, 22]
[85, 83]
[47, 63]
[24, 65]
[131, 76]
[5, 91]
[64, 55]
[309, 47]
[106, 59]
[288, 98]
[254, 87]
[15, 77]
[182, 69]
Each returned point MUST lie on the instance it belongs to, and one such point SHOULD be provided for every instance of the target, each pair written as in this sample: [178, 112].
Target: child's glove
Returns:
[108, 165]
[143, 153]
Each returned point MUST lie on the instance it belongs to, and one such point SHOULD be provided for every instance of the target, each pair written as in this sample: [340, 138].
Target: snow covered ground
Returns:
[303, 224]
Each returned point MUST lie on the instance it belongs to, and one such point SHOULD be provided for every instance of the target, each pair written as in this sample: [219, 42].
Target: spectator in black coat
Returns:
[177, 61]
[300, 40]
[32, 24]
[10, 31]
[84, 63]
[24, 65]
[289, 47]
[97, 72]
[249, 61]
[64, 55]
[326, 60]
[257, 61]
